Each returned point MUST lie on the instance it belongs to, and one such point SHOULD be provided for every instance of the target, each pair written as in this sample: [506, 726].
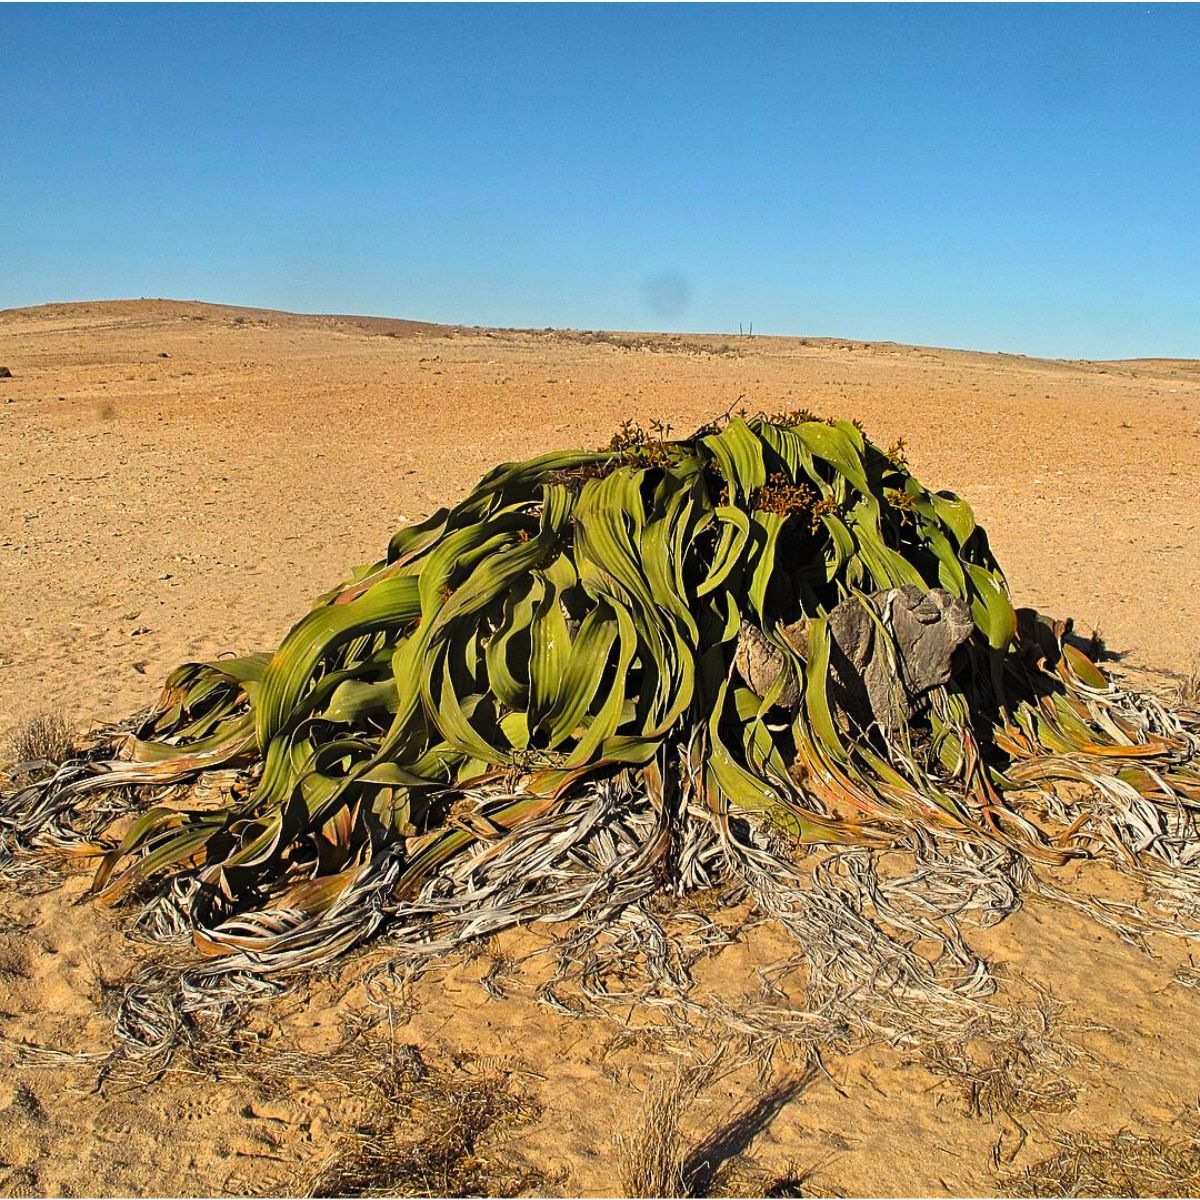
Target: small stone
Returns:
[760, 663]
[5, 373]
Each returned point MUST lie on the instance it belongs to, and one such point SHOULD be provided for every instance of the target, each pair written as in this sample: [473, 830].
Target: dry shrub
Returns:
[1189, 685]
[432, 1133]
[29, 875]
[45, 738]
[792, 1183]
[1005, 1080]
[420, 1129]
[1122, 1164]
[1008, 1067]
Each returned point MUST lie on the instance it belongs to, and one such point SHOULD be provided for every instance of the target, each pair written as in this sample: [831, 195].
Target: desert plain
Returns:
[180, 480]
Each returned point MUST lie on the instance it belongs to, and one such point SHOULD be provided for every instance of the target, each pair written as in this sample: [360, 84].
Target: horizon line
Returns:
[694, 333]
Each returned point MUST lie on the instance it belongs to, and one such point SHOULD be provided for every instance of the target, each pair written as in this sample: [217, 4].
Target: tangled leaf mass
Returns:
[608, 674]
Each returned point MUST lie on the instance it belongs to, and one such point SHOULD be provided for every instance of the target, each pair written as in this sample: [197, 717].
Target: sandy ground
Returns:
[180, 479]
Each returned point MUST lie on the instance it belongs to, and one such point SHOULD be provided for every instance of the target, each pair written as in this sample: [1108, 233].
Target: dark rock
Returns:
[873, 677]
[887, 679]
[5, 373]
[1041, 637]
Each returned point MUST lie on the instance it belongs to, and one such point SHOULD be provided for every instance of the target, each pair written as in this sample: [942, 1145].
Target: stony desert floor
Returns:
[181, 479]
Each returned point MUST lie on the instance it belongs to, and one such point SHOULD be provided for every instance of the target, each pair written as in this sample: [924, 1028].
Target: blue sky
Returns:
[1019, 178]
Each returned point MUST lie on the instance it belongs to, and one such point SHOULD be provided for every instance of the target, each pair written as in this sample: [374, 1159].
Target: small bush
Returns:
[433, 1133]
[45, 738]
[1122, 1164]
[1189, 687]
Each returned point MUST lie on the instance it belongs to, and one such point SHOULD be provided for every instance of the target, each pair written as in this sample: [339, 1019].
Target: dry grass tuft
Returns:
[1189, 686]
[651, 1163]
[1122, 1164]
[420, 1130]
[433, 1133]
[792, 1183]
[45, 738]
[657, 1161]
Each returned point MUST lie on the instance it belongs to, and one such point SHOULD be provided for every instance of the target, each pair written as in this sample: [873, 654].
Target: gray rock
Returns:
[884, 679]
[873, 678]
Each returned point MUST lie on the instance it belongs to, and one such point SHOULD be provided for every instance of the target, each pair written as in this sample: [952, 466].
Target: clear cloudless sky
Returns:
[1021, 178]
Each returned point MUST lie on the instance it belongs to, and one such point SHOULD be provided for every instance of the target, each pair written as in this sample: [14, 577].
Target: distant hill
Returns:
[94, 312]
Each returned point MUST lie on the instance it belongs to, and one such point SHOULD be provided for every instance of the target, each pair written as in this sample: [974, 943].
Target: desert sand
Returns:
[181, 479]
